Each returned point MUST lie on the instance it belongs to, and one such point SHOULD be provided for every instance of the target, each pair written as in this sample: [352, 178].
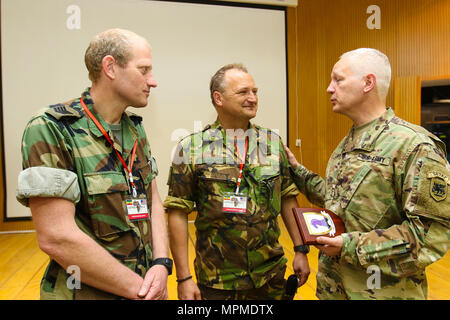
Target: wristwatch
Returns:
[301, 248]
[166, 262]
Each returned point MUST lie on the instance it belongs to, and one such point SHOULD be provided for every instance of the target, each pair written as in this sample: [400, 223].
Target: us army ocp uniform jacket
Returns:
[65, 155]
[388, 181]
[233, 251]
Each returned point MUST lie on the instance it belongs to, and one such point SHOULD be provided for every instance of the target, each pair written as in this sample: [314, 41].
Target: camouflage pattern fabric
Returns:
[274, 289]
[233, 251]
[388, 181]
[63, 137]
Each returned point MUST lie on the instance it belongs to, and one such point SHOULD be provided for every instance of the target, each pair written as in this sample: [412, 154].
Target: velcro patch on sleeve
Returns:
[432, 191]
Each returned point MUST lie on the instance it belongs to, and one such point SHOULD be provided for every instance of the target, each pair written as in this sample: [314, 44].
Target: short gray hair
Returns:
[218, 79]
[367, 60]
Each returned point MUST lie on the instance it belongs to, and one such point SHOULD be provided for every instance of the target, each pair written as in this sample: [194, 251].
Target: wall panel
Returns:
[414, 34]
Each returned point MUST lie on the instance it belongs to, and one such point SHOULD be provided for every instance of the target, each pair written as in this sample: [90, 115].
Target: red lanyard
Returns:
[133, 154]
[242, 162]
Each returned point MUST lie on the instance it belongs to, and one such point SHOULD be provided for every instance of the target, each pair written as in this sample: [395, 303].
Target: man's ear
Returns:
[217, 96]
[108, 66]
[370, 82]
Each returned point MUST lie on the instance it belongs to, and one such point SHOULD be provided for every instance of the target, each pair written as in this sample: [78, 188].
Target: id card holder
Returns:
[234, 203]
[137, 209]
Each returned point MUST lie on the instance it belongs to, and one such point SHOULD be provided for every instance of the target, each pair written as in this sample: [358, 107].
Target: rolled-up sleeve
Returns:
[47, 162]
[47, 182]
[181, 182]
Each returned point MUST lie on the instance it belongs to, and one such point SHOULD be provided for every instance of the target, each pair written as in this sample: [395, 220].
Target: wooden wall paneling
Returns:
[414, 35]
[407, 96]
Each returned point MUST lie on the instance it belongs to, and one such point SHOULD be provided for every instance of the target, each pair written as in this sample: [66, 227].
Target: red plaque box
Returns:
[317, 222]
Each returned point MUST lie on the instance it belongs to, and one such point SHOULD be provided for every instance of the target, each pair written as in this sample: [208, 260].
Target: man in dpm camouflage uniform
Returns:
[236, 176]
[388, 181]
[88, 179]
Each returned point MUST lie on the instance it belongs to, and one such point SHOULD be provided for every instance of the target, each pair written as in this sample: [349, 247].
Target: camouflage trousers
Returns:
[272, 290]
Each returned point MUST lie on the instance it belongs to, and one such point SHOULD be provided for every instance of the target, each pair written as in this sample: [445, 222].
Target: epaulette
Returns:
[421, 132]
[60, 110]
[414, 127]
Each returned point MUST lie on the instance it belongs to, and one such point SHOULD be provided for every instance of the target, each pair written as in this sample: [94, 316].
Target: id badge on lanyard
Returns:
[236, 202]
[137, 208]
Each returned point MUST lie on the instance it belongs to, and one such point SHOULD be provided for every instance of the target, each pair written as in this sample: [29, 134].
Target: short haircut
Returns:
[114, 42]
[217, 82]
[366, 61]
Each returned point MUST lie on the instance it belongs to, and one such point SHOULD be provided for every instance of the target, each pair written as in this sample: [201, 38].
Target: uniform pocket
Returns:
[367, 199]
[268, 192]
[106, 203]
[218, 180]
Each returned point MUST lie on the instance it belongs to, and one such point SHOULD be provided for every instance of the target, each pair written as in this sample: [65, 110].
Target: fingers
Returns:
[302, 278]
[188, 290]
[291, 158]
[144, 288]
[154, 286]
[197, 295]
[330, 246]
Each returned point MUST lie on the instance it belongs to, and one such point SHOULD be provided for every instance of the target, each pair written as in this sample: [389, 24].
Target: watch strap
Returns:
[301, 248]
[166, 262]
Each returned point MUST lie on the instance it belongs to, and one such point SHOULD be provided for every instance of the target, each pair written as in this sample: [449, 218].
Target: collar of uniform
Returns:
[210, 132]
[129, 133]
[364, 137]
[257, 137]
[129, 136]
[87, 99]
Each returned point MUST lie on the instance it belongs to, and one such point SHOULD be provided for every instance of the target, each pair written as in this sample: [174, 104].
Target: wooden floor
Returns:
[22, 265]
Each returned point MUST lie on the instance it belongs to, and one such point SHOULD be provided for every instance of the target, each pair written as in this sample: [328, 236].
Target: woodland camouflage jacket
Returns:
[233, 251]
[65, 155]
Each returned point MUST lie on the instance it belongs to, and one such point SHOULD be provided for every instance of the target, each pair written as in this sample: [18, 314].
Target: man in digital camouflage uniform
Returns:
[388, 181]
[79, 191]
[238, 255]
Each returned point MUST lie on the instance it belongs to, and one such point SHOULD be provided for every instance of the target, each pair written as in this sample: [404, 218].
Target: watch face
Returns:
[168, 262]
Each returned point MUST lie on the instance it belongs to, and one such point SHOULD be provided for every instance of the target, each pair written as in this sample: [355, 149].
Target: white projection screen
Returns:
[42, 58]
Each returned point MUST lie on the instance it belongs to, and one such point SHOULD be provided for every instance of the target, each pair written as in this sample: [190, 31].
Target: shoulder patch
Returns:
[438, 185]
[438, 188]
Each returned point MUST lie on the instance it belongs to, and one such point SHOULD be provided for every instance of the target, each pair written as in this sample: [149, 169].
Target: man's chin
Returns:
[336, 109]
[251, 113]
[139, 105]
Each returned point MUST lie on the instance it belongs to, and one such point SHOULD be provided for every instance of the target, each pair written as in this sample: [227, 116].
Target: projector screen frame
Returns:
[220, 3]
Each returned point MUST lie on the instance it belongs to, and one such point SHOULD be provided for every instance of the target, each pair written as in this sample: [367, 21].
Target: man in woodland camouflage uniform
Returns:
[388, 181]
[89, 211]
[237, 251]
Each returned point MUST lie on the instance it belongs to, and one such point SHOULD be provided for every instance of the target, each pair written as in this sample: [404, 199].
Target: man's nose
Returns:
[330, 88]
[252, 97]
[151, 82]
